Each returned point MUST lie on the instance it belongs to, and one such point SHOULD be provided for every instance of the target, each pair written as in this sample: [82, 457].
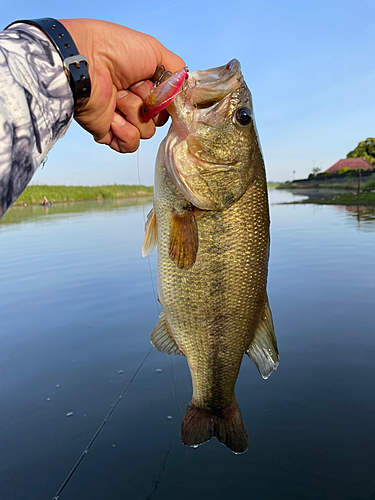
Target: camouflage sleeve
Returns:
[36, 106]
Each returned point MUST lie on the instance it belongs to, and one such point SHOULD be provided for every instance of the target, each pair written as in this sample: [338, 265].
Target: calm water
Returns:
[76, 313]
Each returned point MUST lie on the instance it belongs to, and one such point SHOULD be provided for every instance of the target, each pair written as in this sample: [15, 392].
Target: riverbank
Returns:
[345, 181]
[34, 195]
[348, 199]
[333, 197]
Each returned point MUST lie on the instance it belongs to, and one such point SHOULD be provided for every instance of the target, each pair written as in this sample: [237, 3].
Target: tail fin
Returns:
[199, 426]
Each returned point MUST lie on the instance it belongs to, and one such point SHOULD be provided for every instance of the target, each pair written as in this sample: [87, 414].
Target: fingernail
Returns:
[118, 120]
[122, 93]
[138, 84]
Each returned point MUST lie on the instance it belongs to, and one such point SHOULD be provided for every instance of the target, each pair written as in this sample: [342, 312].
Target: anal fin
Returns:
[162, 339]
[183, 239]
[151, 234]
[263, 350]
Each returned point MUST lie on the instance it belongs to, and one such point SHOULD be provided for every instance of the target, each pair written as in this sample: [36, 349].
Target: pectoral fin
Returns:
[151, 236]
[162, 339]
[183, 239]
[263, 348]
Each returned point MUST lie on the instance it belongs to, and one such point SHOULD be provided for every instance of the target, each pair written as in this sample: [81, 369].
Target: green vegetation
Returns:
[347, 179]
[364, 199]
[56, 194]
[365, 149]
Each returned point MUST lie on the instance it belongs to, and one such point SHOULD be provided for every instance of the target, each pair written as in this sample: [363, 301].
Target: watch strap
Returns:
[76, 66]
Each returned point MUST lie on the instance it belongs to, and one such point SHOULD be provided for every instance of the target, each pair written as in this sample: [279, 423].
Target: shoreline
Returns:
[337, 197]
[34, 195]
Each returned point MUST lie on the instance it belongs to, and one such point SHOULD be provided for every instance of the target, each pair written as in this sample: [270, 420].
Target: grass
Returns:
[338, 182]
[365, 199]
[34, 195]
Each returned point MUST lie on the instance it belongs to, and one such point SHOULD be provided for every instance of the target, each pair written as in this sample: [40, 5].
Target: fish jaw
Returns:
[208, 155]
[203, 87]
[162, 95]
[185, 169]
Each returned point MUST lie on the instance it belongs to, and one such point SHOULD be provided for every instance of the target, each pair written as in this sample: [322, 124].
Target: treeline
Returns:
[365, 149]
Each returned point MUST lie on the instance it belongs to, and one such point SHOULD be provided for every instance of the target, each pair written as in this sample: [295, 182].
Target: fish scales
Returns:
[217, 300]
[214, 306]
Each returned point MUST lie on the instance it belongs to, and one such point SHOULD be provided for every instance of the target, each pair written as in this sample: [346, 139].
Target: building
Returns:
[351, 164]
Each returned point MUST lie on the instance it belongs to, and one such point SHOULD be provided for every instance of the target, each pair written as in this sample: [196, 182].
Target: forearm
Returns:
[36, 106]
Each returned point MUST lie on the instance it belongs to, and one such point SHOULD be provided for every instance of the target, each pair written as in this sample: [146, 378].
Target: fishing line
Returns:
[144, 221]
[99, 429]
[122, 394]
[174, 389]
[139, 184]
[156, 300]
[158, 479]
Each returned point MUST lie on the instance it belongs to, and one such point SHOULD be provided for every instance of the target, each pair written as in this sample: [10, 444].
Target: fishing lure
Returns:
[166, 87]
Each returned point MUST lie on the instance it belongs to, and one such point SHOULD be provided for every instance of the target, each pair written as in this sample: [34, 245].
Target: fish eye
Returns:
[243, 116]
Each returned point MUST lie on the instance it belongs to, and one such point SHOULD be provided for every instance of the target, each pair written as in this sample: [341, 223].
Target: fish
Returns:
[210, 222]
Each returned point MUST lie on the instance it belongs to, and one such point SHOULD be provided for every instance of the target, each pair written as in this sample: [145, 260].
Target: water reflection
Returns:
[29, 213]
[359, 216]
[363, 217]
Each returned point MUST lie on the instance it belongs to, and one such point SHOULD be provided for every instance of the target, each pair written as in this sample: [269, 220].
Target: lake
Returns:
[77, 309]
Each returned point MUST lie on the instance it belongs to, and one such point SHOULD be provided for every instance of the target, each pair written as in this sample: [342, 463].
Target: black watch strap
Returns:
[76, 66]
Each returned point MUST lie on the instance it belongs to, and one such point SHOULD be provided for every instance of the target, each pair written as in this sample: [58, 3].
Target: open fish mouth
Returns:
[201, 108]
[219, 78]
[207, 88]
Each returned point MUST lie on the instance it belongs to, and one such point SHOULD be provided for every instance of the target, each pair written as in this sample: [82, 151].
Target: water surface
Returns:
[76, 312]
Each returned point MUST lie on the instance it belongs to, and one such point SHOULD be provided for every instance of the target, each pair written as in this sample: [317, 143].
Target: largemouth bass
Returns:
[211, 223]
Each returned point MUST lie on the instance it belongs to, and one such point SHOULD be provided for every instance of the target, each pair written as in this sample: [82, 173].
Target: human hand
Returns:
[121, 62]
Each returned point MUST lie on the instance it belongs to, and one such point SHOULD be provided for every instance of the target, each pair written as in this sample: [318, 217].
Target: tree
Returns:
[365, 149]
[316, 171]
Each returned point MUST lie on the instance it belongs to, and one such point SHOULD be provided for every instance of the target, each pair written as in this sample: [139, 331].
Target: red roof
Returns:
[351, 163]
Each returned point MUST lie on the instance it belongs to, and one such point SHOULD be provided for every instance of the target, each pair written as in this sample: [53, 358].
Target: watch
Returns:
[76, 66]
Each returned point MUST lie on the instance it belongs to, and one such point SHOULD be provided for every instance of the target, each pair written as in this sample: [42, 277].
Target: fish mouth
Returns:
[207, 88]
[205, 100]
[219, 78]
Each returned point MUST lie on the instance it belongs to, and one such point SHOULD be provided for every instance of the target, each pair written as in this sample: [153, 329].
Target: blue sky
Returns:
[309, 65]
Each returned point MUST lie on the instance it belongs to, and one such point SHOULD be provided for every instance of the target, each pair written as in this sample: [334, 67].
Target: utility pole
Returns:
[359, 181]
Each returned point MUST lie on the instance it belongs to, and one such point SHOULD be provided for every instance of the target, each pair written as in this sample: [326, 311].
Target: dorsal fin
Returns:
[151, 233]
[162, 339]
[183, 239]
[263, 350]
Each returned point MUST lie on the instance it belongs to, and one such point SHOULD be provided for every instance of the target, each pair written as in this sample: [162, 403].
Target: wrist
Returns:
[75, 64]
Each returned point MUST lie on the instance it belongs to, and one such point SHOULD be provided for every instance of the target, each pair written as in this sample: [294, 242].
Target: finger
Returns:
[142, 89]
[130, 105]
[113, 142]
[122, 136]
[128, 136]
[161, 118]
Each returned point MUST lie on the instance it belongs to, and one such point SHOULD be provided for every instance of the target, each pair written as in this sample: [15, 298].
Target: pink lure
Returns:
[161, 96]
